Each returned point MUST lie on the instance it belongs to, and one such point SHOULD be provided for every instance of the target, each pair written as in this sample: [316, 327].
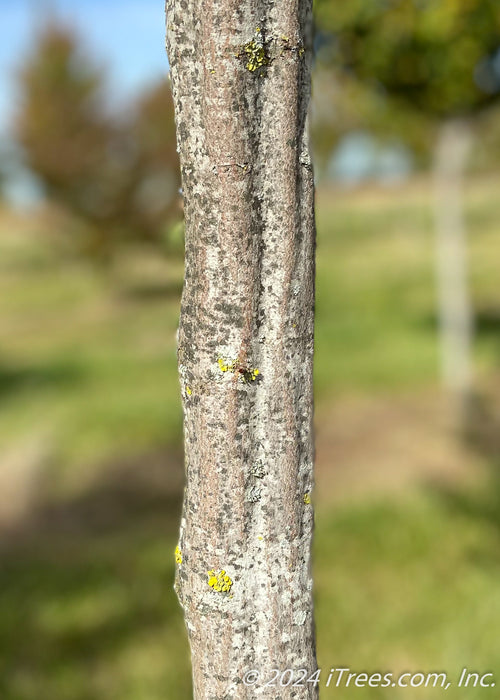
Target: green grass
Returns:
[89, 358]
[374, 291]
[92, 616]
[87, 367]
[84, 360]
[376, 321]
[407, 586]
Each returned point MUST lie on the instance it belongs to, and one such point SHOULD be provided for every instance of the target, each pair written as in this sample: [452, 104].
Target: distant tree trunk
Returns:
[455, 313]
[240, 73]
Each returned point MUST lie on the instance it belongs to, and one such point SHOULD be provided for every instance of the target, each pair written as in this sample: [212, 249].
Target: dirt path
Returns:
[368, 446]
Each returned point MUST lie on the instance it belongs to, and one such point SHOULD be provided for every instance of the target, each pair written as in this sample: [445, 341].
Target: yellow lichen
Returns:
[246, 374]
[219, 581]
[178, 555]
[307, 498]
[249, 375]
[226, 365]
[256, 56]
[188, 391]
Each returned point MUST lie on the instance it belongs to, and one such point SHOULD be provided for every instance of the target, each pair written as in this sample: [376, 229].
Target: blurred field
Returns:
[407, 557]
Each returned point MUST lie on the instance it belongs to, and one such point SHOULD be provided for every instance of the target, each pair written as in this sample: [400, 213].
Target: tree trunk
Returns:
[455, 314]
[240, 72]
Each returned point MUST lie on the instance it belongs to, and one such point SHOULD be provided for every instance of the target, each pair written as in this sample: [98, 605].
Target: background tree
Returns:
[117, 176]
[156, 202]
[241, 81]
[342, 105]
[442, 59]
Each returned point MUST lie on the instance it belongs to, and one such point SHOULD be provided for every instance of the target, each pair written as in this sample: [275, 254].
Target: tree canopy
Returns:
[115, 171]
[440, 56]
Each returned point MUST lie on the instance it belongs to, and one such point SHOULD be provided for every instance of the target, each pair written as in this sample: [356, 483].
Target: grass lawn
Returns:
[89, 446]
[91, 613]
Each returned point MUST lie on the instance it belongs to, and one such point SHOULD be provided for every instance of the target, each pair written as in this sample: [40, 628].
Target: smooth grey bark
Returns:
[455, 312]
[240, 72]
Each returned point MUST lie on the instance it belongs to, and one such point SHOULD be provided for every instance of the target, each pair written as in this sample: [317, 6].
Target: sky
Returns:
[128, 36]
